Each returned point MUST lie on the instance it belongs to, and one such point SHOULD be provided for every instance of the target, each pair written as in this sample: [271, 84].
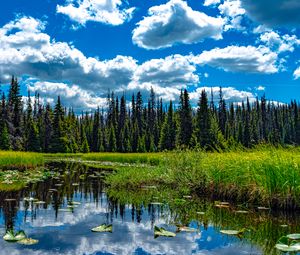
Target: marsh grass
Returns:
[20, 160]
[142, 158]
[268, 177]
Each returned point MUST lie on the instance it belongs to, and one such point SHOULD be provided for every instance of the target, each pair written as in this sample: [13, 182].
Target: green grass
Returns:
[142, 158]
[20, 160]
[269, 177]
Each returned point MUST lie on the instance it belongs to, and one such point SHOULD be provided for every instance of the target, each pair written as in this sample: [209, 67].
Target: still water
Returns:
[64, 229]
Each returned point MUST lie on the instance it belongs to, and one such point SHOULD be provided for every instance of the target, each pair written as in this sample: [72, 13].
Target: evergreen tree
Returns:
[168, 132]
[185, 120]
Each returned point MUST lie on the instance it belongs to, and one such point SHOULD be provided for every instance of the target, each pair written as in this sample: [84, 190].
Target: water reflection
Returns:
[68, 231]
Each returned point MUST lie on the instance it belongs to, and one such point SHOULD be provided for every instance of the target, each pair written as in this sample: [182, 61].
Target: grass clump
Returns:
[133, 158]
[265, 177]
[20, 160]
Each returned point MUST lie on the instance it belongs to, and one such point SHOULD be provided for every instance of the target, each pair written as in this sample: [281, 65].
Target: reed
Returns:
[269, 177]
[20, 160]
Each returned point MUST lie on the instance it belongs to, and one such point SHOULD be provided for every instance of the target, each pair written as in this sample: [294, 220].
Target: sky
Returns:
[82, 49]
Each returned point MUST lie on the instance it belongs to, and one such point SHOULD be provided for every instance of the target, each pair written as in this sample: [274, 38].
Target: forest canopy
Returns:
[145, 126]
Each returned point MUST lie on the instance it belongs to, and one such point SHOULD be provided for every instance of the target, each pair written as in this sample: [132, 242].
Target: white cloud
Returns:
[71, 95]
[230, 94]
[279, 43]
[104, 11]
[175, 22]
[260, 88]
[297, 73]
[58, 68]
[240, 59]
[33, 53]
[261, 29]
[211, 2]
[233, 12]
[175, 71]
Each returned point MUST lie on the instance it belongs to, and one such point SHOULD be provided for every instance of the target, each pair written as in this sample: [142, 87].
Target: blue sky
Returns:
[80, 49]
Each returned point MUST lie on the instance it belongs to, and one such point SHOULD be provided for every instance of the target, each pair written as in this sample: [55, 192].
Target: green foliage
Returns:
[145, 126]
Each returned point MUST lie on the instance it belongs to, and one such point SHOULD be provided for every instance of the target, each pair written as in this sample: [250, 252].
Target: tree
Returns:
[168, 132]
[185, 120]
[203, 121]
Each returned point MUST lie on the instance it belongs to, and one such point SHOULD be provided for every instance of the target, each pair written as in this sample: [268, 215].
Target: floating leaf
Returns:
[242, 212]
[186, 229]
[162, 232]
[10, 199]
[200, 213]
[65, 210]
[39, 202]
[156, 203]
[293, 236]
[28, 241]
[103, 228]
[74, 203]
[233, 232]
[263, 208]
[20, 235]
[9, 236]
[284, 245]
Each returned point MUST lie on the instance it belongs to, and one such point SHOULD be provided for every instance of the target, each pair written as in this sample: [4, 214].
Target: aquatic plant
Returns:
[162, 232]
[103, 228]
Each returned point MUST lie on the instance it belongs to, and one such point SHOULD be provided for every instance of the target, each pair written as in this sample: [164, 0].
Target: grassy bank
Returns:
[20, 160]
[132, 158]
[266, 177]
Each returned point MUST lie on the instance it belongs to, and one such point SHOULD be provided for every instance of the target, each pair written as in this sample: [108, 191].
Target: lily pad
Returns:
[242, 212]
[9, 236]
[162, 232]
[232, 232]
[103, 228]
[74, 203]
[263, 208]
[28, 241]
[293, 236]
[186, 229]
[20, 235]
[65, 209]
[39, 202]
[285, 245]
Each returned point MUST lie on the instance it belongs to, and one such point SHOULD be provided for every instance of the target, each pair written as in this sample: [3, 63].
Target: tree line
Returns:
[145, 126]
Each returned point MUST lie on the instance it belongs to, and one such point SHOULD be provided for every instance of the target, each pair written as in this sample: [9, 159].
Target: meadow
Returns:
[20, 160]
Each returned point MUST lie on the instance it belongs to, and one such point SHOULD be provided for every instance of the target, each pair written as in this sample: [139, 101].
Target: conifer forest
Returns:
[145, 124]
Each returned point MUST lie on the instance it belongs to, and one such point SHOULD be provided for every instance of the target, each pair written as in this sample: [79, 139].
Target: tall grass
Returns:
[269, 177]
[12, 159]
[142, 158]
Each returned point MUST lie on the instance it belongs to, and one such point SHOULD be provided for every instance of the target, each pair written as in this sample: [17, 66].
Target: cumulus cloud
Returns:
[260, 88]
[211, 2]
[274, 13]
[30, 51]
[58, 68]
[105, 11]
[230, 94]
[240, 59]
[71, 95]
[297, 73]
[175, 22]
[279, 43]
[233, 12]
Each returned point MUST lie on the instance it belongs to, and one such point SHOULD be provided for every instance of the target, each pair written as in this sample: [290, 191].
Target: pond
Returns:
[61, 211]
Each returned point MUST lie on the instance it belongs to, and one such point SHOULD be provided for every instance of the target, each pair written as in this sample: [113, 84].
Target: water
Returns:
[133, 219]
